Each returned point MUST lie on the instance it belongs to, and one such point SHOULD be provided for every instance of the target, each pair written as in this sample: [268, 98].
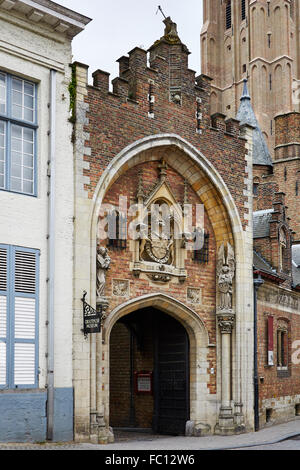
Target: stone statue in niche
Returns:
[103, 263]
[225, 275]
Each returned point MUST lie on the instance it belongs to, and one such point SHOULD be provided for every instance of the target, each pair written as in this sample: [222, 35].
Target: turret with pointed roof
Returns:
[261, 154]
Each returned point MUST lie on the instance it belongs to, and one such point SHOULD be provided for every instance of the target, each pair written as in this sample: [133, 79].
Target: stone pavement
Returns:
[143, 441]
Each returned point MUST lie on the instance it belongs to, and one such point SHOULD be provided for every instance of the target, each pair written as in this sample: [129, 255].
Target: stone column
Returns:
[225, 320]
[226, 418]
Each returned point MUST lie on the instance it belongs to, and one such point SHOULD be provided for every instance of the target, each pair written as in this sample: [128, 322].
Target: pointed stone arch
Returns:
[224, 216]
[198, 340]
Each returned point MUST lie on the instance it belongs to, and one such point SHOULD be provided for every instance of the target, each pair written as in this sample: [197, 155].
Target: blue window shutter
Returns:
[25, 319]
[19, 281]
[3, 315]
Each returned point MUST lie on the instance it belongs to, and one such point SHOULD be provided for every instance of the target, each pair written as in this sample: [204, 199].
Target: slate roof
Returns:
[261, 264]
[261, 223]
[261, 228]
[261, 154]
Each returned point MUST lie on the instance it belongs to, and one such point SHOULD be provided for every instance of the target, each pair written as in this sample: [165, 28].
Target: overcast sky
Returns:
[120, 25]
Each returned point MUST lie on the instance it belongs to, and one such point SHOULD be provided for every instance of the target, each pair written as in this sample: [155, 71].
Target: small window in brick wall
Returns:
[117, 231]
[282, 348]
[202, 255]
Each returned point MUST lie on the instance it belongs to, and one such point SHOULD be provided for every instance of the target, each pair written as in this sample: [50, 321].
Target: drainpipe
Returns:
[257, 282]
[51, 258]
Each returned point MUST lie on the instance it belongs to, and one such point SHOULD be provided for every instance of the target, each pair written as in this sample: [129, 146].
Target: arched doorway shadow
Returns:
[149, 373]
[198, 341]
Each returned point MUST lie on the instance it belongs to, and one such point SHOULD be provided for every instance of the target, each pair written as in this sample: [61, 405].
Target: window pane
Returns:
[17, 84]
[28, 115]
[28, 88]
[2, 93]
[16, 131]
[23, 100]
[2, 153]
[22, 163]
[28, 161]
[17, 98]
[28, 187]
[28, 101]
[16, 158]
[28, 147]
[28, 173]
[16, 170]
[16, 184]
[16, 145]
[28, 134]
[17, 112]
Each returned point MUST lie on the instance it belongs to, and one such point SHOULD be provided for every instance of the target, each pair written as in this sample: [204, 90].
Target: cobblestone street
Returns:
[280, 437]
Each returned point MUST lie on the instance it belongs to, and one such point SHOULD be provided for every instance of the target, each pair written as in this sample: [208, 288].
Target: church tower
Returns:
[258, 40]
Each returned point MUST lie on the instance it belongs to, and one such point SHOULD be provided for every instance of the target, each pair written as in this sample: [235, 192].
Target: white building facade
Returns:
[36, 220]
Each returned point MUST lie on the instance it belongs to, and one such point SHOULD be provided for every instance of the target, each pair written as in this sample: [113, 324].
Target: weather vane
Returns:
[160, 9]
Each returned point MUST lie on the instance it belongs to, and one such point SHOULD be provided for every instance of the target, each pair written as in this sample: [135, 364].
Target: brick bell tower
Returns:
[258, 40]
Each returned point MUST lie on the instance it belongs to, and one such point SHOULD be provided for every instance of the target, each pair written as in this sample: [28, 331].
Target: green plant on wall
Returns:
[72, 91]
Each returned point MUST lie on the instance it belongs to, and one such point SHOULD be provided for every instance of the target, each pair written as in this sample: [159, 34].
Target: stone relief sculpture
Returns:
[225, 275]
[158, 246]
[103, 264]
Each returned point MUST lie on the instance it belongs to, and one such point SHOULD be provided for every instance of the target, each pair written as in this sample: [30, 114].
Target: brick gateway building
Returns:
[153, 140]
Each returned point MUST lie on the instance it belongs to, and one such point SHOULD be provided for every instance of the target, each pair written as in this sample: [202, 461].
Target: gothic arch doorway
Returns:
[149, 373]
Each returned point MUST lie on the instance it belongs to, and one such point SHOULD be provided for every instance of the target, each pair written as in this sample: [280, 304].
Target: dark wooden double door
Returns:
[171, 376]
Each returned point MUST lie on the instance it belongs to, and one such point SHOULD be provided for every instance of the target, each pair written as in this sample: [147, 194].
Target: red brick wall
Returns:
[119, 376]
[274, 386]
[121, 118]
[199, 275]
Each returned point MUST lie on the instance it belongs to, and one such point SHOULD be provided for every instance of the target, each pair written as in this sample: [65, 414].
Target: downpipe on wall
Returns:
[51, 258]
[257, 283]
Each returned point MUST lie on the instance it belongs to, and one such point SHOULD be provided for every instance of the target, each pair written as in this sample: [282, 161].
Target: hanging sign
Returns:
[91, 318]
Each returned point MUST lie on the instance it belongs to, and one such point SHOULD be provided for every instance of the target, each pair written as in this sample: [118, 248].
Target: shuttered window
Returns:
[18, 317]
[3, 316]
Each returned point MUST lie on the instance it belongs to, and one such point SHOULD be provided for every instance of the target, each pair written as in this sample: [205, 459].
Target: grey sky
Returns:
[120, 25]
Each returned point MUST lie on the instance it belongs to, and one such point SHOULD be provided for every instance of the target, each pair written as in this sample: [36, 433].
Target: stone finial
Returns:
[163, 166]
[171, 34]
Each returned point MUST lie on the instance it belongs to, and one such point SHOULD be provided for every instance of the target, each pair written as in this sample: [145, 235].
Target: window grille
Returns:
[117, 231]
[202, 255]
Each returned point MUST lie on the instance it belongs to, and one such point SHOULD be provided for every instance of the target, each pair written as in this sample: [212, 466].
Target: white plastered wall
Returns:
[30, 51]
